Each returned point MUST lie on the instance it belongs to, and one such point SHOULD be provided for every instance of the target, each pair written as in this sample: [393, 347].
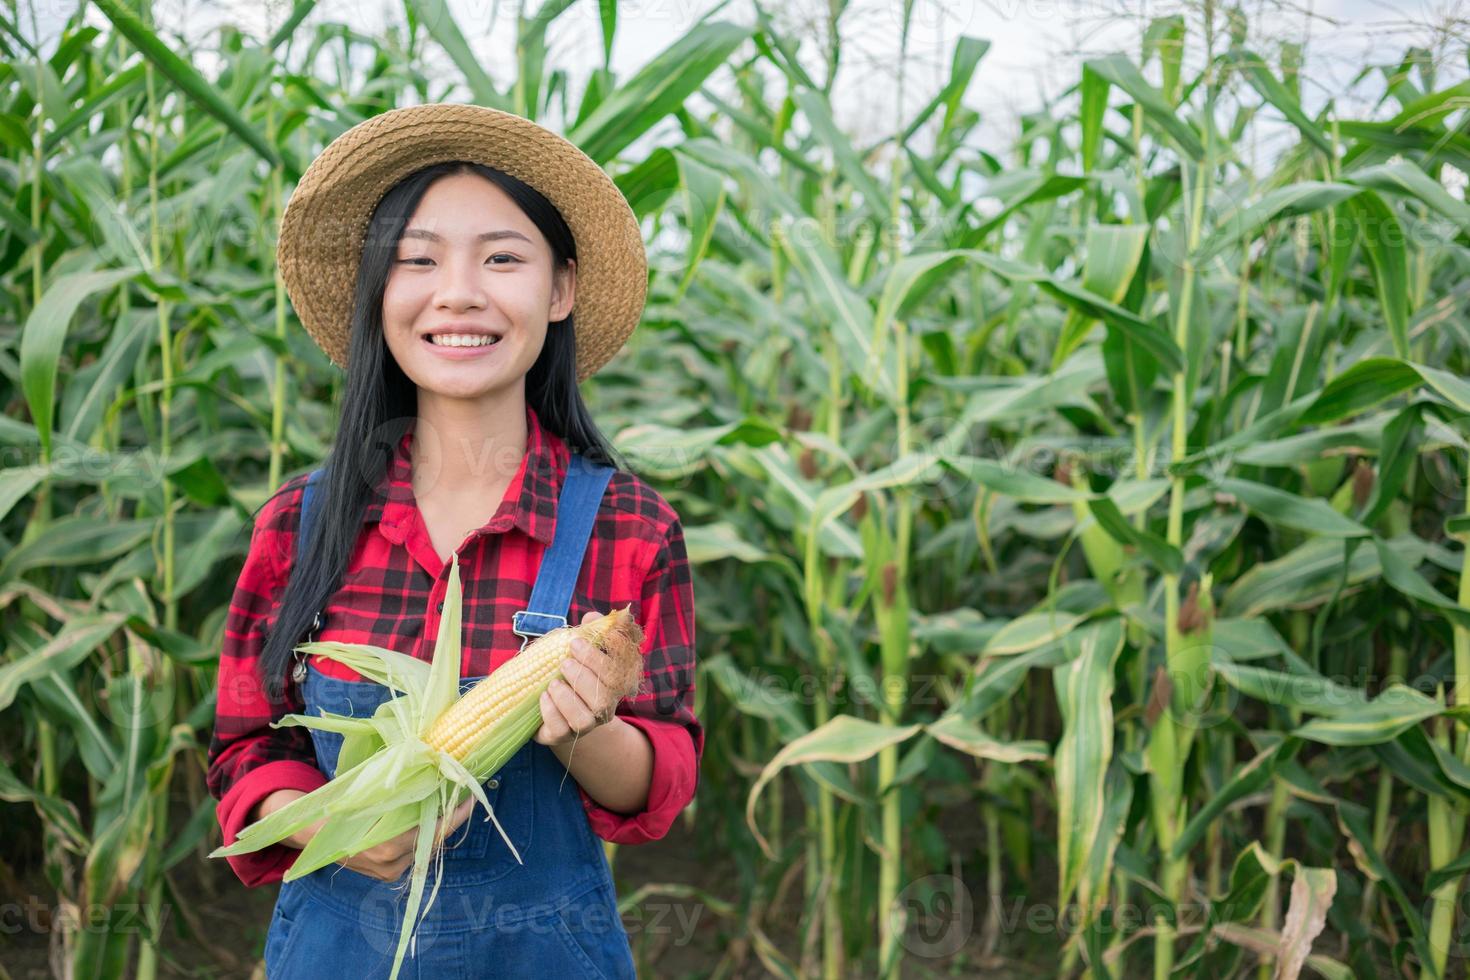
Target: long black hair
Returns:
[380, 403]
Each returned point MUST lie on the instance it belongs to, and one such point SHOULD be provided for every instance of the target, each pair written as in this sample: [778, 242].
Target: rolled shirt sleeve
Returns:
[663, 710]
[248, 760]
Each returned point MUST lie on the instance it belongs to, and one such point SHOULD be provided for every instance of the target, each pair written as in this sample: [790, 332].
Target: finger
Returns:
[590, 615]
[455, 819]
[381, 870]
[554, 727]
[578, 716]
[593, 690]
[591, 658]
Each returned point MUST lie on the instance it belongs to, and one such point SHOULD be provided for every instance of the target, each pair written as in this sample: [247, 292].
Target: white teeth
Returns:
[461, 340]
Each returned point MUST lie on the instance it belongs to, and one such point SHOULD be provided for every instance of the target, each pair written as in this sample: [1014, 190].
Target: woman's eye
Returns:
[419, 259]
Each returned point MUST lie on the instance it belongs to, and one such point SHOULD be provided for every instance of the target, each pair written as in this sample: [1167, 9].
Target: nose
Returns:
[461, 286]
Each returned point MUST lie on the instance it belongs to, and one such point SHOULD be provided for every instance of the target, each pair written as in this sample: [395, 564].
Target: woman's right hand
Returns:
[386, 861]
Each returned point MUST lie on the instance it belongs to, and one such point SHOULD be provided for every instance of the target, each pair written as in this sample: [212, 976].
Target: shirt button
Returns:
[493, 784]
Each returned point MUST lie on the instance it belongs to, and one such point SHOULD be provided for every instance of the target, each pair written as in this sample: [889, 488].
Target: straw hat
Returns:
[326, 218]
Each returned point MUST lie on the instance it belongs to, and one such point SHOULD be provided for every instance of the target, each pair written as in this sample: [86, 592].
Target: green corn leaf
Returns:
[1112, 824]
[1017, 484]
[1311, 693]
[1084, 688]
[1382, 719]
[1374, 380]
[998, 678]
[1094, 108]
[44, 336]
[1258, 73]
[702, 191]
[1029, 631]
[198, 88]
[1112, 259]
[1382, 239]
[843, 739]
[69, 647]
[953, 730]
[1304, 576]
[439, 20]
[815, 108]
[657, 89]
[1400, 574]
[1163, 555]
[1247, 779]
[1352, 820]
[1243, 224]
[1119, 71]
[1310, 514]
[1408, 180]
[1448, 872]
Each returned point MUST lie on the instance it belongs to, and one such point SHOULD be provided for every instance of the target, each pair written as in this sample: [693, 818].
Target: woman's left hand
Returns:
[580, 700]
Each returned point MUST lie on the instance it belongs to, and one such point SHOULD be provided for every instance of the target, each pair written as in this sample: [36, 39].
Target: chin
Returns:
[478, 386]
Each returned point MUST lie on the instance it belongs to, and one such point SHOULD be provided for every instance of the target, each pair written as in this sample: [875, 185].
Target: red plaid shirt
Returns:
[391, 595]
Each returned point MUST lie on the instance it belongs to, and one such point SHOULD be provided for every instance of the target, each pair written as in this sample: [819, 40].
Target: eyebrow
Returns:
[484, 236]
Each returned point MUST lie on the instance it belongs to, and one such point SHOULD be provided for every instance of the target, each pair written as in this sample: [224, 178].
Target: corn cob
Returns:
[482, 714]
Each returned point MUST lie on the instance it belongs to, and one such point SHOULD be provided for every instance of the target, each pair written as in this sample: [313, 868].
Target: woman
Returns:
[437, 254]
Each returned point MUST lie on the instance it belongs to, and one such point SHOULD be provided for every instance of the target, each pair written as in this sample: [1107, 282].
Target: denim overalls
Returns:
[555, 915]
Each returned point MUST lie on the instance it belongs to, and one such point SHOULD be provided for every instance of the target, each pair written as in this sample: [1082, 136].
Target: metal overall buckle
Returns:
[298, 671]
[526, 637]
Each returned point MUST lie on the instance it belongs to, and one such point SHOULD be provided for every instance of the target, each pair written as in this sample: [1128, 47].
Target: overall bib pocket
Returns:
[593, 933]
[281, 934]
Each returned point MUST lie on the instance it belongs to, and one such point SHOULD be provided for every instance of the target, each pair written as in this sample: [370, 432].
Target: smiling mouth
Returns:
[461, 341]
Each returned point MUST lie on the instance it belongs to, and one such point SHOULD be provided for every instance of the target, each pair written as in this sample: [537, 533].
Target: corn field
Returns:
[1078, 524]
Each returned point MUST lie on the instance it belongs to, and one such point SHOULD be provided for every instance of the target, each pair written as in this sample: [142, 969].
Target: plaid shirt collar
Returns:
[530, 500]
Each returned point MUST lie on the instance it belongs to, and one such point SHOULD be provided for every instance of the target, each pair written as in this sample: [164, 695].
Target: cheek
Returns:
[396, 301]
[535, 344]
[519, 306]
[401, 306]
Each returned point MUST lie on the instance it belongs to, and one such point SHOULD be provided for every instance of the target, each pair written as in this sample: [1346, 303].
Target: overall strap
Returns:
[307, 493]
[576, 512]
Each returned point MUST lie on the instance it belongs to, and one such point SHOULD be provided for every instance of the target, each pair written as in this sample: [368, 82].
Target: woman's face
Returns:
[471, 265]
